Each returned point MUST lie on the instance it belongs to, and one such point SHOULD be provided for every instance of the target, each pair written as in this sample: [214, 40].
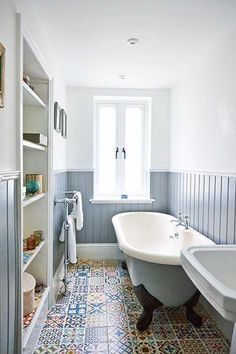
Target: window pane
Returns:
[134, 166]
[106, 150]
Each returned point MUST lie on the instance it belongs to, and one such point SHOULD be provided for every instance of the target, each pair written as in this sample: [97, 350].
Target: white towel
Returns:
[71, 238]
[77, 211]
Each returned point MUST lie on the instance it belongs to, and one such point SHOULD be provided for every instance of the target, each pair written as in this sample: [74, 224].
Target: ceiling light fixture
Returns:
[132, 41]
[122, 77]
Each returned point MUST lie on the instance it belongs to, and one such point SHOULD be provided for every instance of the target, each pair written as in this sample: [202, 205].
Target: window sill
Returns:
[122, 201]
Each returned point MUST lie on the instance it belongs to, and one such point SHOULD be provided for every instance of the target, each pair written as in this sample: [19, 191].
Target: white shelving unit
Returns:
[29, 145]
[27, 332]
[33, 199]
[30, 98]
[36, 116]
[33, 255]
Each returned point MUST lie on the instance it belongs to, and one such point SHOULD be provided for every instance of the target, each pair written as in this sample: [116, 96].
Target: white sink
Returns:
[213, 271]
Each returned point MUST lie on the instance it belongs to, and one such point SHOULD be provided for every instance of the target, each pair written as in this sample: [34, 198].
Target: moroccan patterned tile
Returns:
[111, 274]
[185, 331]
[163, 332]
[83, 272]
[144, 347]
[115, 307]
[117, 319]
[101, 318]
[176, 315]
[117, 334]
[97, 288]
[132, 307]
[96, 348]
[120, 347]
[78, 350]
[112, 281]
[97, 263]
[114, 297]
[80, 288]
[96, 320]
[169, 347]
[55, 320]
[112, 288]
[175, 310]
[160, 317]
[96, 335]
[193, 346]
[75, 321]
[72, 336]
[64, 300]
[96, 309]
[126, 281]
[77, 298]
[85, 262]
[82, 281]
[77, 309]
[97, 272]
[216, 346]
[96, 281]
[133, 318]
[50, 335]
[144, 336]
[49, 349]
[209, 331]
[58, 310]
[129, 297]
[96, 298]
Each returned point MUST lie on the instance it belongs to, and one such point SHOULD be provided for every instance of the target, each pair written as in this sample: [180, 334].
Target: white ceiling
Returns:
[90, 38]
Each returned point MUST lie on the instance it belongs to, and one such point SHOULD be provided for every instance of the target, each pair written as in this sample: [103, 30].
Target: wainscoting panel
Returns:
[209, 201]
[97, 217]
[60, 187]
[9, 267]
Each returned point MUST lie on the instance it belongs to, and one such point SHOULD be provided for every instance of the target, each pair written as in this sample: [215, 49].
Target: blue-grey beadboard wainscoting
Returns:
[209, 200]
[97, 217]
[60, 187]
[10, 265]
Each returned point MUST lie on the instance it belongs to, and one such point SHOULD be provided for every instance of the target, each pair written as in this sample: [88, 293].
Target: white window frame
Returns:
[121, 102]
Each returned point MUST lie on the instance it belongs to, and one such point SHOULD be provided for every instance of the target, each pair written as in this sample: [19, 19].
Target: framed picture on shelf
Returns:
[63, 123]
[2, 75]
[57, 117]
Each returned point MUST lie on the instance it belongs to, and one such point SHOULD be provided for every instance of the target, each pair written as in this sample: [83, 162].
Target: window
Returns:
[121, 149]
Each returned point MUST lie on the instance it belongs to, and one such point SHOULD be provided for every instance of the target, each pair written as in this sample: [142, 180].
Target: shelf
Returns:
[33, 254]
[30, 98]
[29, 145]
[36, 313]
[30, 200]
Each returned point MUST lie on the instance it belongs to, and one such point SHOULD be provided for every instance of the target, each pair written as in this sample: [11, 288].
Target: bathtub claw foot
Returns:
[191, 315]
[124, 265]
[149, 304]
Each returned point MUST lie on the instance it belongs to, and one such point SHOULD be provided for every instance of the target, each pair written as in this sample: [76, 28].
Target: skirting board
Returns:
[99, 251]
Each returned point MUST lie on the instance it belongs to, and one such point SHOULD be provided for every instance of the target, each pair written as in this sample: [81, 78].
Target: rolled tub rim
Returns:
[148, 256]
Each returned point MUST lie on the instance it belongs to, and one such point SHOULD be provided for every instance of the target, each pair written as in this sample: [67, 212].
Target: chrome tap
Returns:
[180, 221]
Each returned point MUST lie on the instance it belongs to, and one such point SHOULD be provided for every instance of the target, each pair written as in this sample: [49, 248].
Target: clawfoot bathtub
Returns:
[152, 245]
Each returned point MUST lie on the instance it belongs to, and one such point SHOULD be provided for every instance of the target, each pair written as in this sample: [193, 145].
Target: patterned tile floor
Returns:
[99, 316]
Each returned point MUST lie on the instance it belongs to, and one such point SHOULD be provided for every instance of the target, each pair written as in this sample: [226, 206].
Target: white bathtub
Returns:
[152, 254]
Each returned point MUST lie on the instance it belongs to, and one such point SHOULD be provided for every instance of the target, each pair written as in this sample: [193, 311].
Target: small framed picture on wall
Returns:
[63, 123]
[2, 75]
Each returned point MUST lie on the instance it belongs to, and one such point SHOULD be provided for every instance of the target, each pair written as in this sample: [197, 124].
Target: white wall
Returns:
[203, 119]
[8, 160]
[80, 124]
